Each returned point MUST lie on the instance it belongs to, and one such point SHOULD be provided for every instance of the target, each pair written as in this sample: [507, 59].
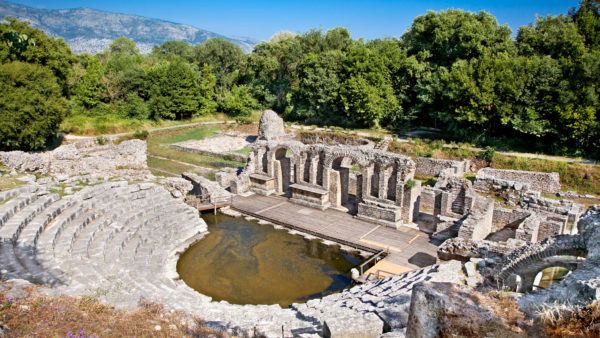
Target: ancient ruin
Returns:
[97, 221]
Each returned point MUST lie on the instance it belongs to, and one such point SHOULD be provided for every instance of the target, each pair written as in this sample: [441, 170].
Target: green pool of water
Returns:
[243, 262]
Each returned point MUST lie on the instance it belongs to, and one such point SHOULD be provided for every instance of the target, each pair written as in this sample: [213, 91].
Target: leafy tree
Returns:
[46, 51]
[31, 105]
[367, 94]
[123, 45]
[317, 93]
[271, 71]
[173, 91]
[444, 37]
[587, 19]
[555, 36]
[224, 57]
[179, 48]
[207, 92]
[238, 102]
[88, 89]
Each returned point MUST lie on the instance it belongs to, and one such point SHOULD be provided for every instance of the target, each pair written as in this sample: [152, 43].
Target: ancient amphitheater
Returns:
[117, 233]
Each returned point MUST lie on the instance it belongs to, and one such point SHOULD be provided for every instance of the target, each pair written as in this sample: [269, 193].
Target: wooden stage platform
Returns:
[408, 248]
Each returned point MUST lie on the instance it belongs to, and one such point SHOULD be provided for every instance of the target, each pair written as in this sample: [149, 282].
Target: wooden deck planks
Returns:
[404, 244]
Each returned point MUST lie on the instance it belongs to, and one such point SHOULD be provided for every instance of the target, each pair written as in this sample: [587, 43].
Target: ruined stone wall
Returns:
[79, 158]
[429, 196]
[544, 182]
[478, 223]
[426, 166]
[505, 217]
[511, 191]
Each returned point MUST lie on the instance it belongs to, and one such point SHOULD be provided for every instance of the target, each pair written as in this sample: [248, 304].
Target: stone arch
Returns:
[345, 187]
[527, 259]
[283, 167]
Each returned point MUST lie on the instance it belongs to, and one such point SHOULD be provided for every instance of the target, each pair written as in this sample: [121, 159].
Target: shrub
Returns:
[101, 140]
[238, 102]
[487, 154]
[141, 134]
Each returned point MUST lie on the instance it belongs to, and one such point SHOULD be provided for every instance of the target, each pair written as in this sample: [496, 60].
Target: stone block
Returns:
[353, 325]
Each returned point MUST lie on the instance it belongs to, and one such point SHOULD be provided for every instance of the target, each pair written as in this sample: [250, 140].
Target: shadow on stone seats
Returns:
[422, 259]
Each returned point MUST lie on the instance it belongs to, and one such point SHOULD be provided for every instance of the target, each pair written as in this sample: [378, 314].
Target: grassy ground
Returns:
[166, 160]
[7, 183]
[112, 124]
[42, 316]
[583, 178]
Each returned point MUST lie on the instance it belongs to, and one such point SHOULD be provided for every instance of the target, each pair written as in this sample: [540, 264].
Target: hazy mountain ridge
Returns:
[91, 31]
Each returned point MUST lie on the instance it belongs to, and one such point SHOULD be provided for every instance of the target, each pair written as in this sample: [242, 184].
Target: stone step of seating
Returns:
[28, 189]
[12, 228]
[47, 239]
[128, 224]
[89, 234]
[8, 209]
[31, 232]
[11, 268]
[120, 240]
[63, 243]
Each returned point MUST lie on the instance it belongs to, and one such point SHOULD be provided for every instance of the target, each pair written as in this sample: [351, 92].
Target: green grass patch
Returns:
[7, 183]
[114, 124]
[155, 148]
[427, 180]
[582, 178]
[246, 151]
[169, 166]
[6, 200]
[185, 134]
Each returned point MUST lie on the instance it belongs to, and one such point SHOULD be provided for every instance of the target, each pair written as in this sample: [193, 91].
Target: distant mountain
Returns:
[91, 31]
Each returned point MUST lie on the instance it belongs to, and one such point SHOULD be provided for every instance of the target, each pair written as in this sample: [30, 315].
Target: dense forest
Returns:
[453, 70]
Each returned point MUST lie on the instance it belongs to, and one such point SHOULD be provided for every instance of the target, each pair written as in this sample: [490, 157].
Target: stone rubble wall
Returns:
[478, 224]
[539, 181]
[79, 158]
[512, 191]
[206, 188]
[503, 217]
[427, 166]
[465, 249]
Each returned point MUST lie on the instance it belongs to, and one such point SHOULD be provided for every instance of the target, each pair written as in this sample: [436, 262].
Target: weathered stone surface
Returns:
[82, 157]
[206, 188]
[270, 127]
[544, 182]
[352, 325]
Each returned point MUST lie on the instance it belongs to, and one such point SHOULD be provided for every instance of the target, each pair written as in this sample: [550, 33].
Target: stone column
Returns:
[410, 205]
[278, 175]
[384, 176]
[259, 161]
[314, 163]
[366, 182]
[335, 196]
[344, 182]
[359, 188]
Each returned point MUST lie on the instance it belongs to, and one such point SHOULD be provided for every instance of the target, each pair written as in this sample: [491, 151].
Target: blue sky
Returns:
[260, 19]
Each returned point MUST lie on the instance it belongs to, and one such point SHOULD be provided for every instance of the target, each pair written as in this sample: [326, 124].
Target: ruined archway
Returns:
[521, 267]
[345, 183]
[284, 169]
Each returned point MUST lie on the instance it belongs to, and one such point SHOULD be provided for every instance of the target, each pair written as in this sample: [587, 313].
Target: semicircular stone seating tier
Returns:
[120, 243]
[526, 262]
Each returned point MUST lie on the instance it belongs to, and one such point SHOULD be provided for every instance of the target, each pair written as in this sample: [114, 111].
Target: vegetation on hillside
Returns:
[457, 71]
[35, 315]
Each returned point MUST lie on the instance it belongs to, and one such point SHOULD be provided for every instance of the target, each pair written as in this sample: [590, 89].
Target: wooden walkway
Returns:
[408, 248]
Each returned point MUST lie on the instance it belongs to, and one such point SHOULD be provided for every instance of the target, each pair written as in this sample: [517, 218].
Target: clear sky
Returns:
[260, 19]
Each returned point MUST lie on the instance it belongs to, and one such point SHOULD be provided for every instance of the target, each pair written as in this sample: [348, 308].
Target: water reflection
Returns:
[243, 262]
